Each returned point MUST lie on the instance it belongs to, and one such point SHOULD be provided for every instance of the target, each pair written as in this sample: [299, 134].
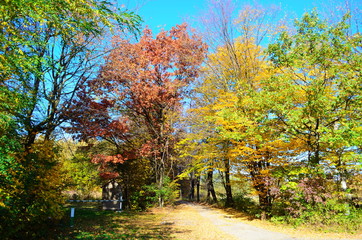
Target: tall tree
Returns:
[47, 50]
[231, 72]
[44, 56]
[145, 82]
[317, 98]
[317, 92]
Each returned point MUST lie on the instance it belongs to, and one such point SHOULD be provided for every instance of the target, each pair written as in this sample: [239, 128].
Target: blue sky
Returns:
[159, 14]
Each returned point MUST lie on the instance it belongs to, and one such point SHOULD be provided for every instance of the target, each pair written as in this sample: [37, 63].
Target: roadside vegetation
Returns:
[90, 222]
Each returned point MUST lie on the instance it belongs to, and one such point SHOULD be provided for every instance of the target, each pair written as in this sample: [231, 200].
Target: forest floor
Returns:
[181, 221]
[195, 221]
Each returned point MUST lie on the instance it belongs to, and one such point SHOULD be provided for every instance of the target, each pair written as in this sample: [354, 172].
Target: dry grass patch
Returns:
[296, 232]
[187, 223]
[93, 224]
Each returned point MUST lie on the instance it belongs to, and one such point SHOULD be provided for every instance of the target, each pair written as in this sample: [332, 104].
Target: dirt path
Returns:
[193, 221]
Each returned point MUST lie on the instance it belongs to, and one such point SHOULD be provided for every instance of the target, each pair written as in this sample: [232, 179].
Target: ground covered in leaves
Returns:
[182, 221]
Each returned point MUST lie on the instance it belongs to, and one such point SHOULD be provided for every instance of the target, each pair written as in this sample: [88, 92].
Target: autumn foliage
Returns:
[140, 88]
[281, 118]
[268, 117]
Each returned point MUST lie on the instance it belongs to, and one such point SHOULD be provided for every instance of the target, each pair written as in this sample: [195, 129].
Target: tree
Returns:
[247, 139]
[231, 72]
[317, 91]
[316, 96]
[47, 54]
[31, 201]
[143, 83]
[80, 175]
[43, 60]
[197, 150]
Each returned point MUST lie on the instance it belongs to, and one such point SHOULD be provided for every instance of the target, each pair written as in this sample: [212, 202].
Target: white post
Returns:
[344, 188]
[120, 203]
[72, 210]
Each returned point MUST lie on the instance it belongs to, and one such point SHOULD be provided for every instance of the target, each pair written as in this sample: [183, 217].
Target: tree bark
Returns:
[265, 199]
[198, 189]
[210, 187]
[265, 203]
[229, 196]
[192, 188]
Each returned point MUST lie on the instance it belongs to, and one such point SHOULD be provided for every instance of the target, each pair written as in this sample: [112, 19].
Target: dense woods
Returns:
[249, 111]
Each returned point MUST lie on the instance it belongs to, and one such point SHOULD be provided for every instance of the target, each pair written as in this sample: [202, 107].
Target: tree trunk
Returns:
[198, 189]
[259, 184]
[210, 187]
[30, 140]
[229, 196]
[126, 197]
[265, 200]
[160, 187]
[192, 188]
[265, 203]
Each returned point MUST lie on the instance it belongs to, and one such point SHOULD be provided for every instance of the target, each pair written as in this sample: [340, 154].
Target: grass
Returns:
[342, 230]
[91, 223]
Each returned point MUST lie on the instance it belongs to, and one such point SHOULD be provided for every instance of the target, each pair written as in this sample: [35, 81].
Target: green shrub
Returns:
[168, 192]
[333, 215]
[33, 203]
[246, 205]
